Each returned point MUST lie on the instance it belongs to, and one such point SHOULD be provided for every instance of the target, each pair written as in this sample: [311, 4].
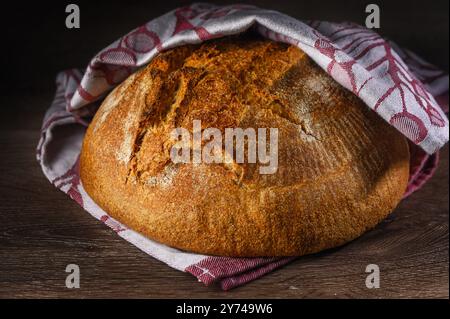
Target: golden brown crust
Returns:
[341, 168]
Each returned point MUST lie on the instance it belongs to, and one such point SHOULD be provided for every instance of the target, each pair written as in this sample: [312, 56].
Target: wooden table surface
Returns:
[42, 230]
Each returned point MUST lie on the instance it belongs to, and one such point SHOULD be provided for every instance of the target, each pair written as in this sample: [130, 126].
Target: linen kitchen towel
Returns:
[406, 91]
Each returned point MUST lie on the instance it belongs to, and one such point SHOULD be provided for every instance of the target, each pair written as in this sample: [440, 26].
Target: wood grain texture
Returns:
[42, 230]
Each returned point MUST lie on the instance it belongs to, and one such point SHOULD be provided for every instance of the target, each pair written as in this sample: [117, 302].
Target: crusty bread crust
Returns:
[342, 168]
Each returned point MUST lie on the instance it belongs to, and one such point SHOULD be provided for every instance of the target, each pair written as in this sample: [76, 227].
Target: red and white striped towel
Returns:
[409, 93]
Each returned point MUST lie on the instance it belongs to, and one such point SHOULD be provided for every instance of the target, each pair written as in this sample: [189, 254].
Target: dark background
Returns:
[42, 230]
[36, 34]
[36, 44]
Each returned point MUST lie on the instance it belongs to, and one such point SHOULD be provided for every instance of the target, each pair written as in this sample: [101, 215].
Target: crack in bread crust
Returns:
[174, 85]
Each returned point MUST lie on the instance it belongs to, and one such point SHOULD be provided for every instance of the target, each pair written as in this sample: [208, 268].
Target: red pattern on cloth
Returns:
[408, 92]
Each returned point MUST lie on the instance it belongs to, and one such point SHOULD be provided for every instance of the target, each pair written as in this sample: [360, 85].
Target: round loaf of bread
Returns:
[341, 168]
